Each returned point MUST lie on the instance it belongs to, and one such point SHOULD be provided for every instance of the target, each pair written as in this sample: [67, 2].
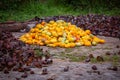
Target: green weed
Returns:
[41, 8]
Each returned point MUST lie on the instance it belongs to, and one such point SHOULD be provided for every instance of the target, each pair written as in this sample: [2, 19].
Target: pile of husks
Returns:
[98, 24]
[15, 56]
[60, 33]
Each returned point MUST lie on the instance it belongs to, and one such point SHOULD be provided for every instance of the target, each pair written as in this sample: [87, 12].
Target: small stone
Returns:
[94, 67]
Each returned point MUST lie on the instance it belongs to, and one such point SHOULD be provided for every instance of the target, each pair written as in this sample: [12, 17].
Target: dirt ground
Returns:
[67, 67]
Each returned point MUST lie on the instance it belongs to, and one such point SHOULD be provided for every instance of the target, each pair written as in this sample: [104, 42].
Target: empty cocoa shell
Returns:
[94, 67]
[32, 72]
[99, 58]
[44, 71]
[91, 56]
[6, 71]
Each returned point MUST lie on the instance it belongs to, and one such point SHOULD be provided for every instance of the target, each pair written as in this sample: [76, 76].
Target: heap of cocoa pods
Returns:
[15, 56]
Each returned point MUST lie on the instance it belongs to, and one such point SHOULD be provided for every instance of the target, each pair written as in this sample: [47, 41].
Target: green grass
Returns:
[114, 59]
[68, 50]
[73, 57]
[29, 10]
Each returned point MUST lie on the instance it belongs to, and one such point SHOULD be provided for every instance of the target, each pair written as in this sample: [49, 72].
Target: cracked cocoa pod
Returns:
[94, 67]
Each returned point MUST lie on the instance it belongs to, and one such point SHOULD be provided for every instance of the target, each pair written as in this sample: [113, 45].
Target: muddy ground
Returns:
[72, 63]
